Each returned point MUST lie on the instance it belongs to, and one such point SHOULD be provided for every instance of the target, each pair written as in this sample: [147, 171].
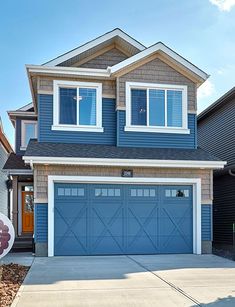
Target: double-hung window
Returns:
[28, 131]
[77, 106]
[156, 108]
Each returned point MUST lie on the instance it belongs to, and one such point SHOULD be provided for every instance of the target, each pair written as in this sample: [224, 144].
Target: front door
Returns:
[27, 211]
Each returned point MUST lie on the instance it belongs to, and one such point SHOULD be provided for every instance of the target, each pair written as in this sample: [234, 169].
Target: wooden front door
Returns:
[27, 211]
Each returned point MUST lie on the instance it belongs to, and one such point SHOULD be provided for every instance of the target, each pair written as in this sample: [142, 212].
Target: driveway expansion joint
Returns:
[174, 287]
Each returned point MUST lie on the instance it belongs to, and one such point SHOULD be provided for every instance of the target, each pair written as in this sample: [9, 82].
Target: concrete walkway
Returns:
[18, 258]
[163, 280]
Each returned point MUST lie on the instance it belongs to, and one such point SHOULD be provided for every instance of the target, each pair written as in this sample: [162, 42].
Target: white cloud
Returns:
[206, 89]
[224, 5]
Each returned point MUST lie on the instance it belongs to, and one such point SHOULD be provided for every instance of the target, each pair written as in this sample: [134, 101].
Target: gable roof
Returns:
[159, 47]
[95, 42]
[3, 139]
[25, 111]
[26, 108]
[217, 104]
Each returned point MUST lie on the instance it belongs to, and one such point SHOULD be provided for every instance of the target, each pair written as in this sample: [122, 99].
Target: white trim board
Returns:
[73, 71]
[195, 182]
[94, 43]
[125, 162]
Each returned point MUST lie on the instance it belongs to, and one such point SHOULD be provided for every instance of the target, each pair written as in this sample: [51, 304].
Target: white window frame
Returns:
[23, 132]
[72, 84]
[160, 129]
[195, 182]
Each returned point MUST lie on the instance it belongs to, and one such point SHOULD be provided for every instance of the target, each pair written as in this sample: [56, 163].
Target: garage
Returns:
[114, 219]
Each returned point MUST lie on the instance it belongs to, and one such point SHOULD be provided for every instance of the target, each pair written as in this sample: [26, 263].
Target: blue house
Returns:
[115, 166]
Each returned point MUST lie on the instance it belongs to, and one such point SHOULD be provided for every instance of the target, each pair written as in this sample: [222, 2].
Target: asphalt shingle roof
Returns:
[15, 162]
[113, 152]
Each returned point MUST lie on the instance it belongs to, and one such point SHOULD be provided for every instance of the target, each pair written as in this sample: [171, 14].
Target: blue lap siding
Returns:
[41, 223]
[45, 110]
[155, 140]
[206, 222]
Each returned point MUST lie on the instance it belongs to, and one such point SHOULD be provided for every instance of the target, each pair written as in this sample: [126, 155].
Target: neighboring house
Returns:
[5, 150]
[116, 167]
[216, 130]
[24, 121]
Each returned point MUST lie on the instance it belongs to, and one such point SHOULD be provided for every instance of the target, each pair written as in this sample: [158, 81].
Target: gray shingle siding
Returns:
[216, 133]
[3, 178]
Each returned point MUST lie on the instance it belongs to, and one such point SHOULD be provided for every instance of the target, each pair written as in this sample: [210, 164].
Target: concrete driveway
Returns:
[154, 280]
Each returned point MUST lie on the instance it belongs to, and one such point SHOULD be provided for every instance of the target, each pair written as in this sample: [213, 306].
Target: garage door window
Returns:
[107, 192]
[176, 193]
[143, 193]
[70, 192]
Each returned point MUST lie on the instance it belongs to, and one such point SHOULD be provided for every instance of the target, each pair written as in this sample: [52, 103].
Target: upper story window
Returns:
[28, 131]
[77, 106]
[156, 108]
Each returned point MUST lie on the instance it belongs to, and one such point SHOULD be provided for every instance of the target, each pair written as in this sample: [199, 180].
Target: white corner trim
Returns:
[166, 129]
[159, 47]
[126, 162]
[93, 43]
[195, 182]
[75, 84]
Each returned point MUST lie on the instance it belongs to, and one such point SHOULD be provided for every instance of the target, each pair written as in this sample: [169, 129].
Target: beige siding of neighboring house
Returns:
[104, 60]
[156, 71]
[41, 173]
[45, 85]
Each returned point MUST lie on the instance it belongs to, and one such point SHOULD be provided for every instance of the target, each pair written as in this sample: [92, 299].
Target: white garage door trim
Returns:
[195, 182]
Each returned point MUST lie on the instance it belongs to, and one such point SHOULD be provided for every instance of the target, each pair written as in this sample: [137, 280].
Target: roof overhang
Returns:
[18, 171]
[125, 162]
[67, 71]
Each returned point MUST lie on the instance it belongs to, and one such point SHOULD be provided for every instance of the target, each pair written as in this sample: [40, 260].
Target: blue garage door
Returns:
[103, 219]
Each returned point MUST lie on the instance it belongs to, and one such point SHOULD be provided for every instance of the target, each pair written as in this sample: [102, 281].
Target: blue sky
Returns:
[33, 32]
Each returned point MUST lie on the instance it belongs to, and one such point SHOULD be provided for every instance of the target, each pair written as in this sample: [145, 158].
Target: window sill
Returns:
[157, 130]
[78, 129]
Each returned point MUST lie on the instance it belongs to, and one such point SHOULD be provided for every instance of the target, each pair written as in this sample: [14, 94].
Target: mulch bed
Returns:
[11, 277]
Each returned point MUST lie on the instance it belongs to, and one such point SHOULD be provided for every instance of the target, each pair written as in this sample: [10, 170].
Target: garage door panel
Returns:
[72, 246]
[121, 219]
[107, 245]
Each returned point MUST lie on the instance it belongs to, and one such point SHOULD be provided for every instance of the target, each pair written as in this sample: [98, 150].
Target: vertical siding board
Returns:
[41, 223]
[108, 137]
[206, 223]
[224, 209]
[148, 139]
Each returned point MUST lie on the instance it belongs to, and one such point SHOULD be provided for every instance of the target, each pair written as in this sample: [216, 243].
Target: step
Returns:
[22, 244]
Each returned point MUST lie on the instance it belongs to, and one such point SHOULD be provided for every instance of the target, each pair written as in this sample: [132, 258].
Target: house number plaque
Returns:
[127, 173]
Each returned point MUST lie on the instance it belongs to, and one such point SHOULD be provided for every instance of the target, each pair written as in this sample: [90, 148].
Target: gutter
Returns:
[125, 162]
